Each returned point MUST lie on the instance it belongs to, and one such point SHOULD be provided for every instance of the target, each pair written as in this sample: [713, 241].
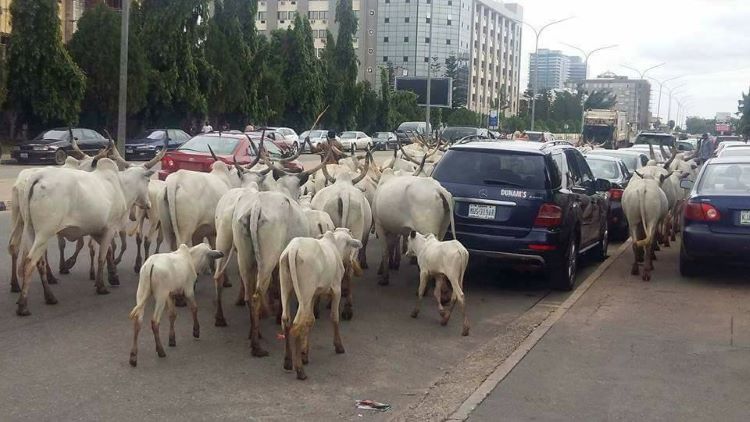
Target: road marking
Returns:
[498, 375]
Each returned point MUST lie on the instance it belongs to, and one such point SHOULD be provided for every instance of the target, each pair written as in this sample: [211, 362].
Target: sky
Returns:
[706, 43]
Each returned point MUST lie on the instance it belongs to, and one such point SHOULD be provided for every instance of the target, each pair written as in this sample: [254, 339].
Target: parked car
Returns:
[540, 136]
[146, 145]
[685, 146]
[317, 137]
[278, 138]
[360, 140]
[291, 136]
[727, 144]
[54, 145]
[716, 228]
[633, 158]
[418, 127]
[735, 151]
[614, 170]
[512, 203]
[385, 141]
[645, 149]
[194, 154]
[656, 138]
[454, 133]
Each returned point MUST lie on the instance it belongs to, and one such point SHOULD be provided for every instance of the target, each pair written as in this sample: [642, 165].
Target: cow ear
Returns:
[413, 234]
[303, 178]
[354, 243]
[216, 254]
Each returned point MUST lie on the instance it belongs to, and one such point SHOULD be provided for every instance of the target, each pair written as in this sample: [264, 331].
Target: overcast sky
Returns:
[707, 41]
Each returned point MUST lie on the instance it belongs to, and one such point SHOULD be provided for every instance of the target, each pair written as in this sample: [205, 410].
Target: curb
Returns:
[496, 377]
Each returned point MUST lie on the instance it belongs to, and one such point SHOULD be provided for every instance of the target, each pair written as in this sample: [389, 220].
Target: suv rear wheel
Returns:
[562, 276]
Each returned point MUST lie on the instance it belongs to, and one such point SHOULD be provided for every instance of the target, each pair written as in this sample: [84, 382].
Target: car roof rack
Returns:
[555, 143]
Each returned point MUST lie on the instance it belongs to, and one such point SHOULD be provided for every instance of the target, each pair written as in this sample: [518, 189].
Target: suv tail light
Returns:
[701, 211]
[550, 215]
[167, 163]
[615, 194]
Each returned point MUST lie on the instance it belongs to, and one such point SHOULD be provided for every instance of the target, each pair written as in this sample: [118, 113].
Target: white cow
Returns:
[406, 203]
[74, 204]
[446, 262]
[165, 274]
[157, 191]
[319, 222]
[645, 205]
[309, 268]
[348, 208]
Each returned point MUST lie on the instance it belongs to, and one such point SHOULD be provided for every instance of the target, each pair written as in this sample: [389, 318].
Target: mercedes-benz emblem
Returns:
[483, 193]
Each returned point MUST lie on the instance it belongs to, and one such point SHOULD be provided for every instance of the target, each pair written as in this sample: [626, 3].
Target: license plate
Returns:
[485, 212]
[24, 155]
[745, 217]
[129, 151]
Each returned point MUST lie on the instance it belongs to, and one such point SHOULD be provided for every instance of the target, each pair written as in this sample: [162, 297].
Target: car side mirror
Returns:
[602, 185]
[686, 184]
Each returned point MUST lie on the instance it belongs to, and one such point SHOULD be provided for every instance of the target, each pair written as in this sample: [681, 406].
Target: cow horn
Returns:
[364, 170]
[212, 153]
[669, 162]
[639, 174]
[408, 157]
[421, 166]
[152, 162]
[240, 170]
[74, 144]
[257, 156]
[115, 153]
[267, 162]
[307, 173]
[662, 151]
[252, 144]
[327, 175]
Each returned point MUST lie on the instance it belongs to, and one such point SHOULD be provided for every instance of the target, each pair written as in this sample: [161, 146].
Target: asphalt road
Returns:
[70, 360]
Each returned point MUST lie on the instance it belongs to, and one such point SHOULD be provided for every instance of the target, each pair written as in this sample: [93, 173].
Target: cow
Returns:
[163, 275]
[157, 190]
[318, 222]
[309, 268]
[446, 262]
[74, 204]
[404, 204]
[645, 205]
[348, 208]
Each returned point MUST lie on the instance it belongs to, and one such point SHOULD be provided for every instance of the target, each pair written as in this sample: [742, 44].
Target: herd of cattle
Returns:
[293, 234]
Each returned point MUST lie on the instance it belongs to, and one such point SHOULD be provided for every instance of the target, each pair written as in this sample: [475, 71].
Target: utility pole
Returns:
[642, 74]
[122, 110]
[586, 56]
[429, 73]
[538, 33]
[661, 85]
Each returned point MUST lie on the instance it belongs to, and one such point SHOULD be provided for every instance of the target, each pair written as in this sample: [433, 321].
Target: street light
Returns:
[429, 73]
[671, 92]
[538, 33]
[586, 56]
[122, 109]
[661, 84]
[641, 74]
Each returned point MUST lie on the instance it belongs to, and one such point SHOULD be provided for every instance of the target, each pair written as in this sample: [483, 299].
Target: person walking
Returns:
[705, 148]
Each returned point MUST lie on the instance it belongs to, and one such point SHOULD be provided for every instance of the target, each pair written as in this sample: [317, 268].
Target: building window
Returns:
[406, 19]
[385, 39]
[447, 42]
[406, 58]
[385, 59]
[387, 20]
[427, 40]
[449, 22]
[426, 59]
[450, 3]
[427, 19]
[406, 39]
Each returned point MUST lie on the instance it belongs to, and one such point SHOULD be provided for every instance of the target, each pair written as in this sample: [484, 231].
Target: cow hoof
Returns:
[415, 313]
[23, 311]
[15, 288]
[51, 280]
[301, 375]
[444, 321]
[465, 331]
[172, 342]
[220, 322]
[240, 302]
[347, 314]
[50, 300]
[259, 352]
[137, 269]
[288, 364]
[101, 290]
[160, 353]
[64, 270]
[196, 332]
[646, 276]
[114, 280]
[133, 360]
[227, 284]
[340, 349]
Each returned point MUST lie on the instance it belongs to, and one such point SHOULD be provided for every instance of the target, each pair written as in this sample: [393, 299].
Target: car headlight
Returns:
[42, 148]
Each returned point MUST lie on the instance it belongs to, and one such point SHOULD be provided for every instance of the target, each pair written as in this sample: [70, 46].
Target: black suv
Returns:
[527, 202]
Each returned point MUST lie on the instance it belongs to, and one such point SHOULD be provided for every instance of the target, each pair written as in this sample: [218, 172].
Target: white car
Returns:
[734, 150]
[728, 144]
[360, 140]
[317, 137]
[286, 135]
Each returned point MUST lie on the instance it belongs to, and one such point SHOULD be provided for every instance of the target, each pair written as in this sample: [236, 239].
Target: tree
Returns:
[3, 81]
[404, 107]
[600, 99]
[345, 71]
[700, 125]
[303, 77]
[368, 104]
[743, 111]
[44, 84]
[385, 121]
[671, 124]
[95, 47]
[458, 71]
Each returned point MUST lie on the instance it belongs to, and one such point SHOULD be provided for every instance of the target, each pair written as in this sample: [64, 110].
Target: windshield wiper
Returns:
[501, 183]
[190, 149]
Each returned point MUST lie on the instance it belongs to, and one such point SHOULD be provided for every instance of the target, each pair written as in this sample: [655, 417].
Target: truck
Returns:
[608, 127]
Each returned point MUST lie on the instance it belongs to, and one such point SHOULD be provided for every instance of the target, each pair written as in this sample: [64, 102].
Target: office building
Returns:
[280, 14]
[555, 69]
[483, 35]
[576, 69]
[633, 95]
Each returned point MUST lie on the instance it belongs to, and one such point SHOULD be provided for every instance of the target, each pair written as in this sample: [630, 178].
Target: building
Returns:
[633, 95]
[555, 69]
[483, 35]
[280, 14]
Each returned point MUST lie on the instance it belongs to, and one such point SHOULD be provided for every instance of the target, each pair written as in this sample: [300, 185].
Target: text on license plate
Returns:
[745, 217]
[485, 212]
[24, 155]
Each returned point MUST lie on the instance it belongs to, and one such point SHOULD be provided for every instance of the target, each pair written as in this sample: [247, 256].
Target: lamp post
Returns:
[671, 92]
[586, 56]
[642, 74]
[122, 108]
[538, 33]
[429, 73]
[661, 85]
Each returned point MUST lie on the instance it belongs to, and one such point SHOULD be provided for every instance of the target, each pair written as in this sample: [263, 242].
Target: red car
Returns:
[194, 154]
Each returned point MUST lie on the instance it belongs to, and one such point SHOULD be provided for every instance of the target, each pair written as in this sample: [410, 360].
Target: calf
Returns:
[309, 268]
[444, 261]
[162, 275]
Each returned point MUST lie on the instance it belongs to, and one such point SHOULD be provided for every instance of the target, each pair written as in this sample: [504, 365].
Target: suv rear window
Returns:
[655, 139]
[491, 168]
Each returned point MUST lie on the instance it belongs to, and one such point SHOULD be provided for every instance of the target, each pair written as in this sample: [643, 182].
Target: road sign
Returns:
[493, 119]
[441, 94]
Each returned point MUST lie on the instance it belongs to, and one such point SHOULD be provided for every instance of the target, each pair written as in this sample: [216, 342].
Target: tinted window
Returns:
[655, 139]
[536, 137]
[220, 145]
[59, 135]
[725, 179]
[492, 169]
[604, 169]
[583, 167]
[455, 133]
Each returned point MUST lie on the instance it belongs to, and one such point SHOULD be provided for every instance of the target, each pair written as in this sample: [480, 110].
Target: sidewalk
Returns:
[670, 349]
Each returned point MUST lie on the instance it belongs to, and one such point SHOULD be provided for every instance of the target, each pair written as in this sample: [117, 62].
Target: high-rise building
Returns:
[280, 14]
[483, 35]
[555, 69]
[633, 95]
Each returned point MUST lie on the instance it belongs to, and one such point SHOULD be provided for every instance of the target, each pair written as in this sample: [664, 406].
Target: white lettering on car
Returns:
[514, 193]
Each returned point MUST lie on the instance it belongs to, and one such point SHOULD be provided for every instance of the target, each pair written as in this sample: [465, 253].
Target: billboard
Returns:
[723, 128]
[441, 92]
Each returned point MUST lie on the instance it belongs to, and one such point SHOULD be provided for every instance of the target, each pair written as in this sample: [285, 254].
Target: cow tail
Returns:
[642, 204]
[144, 290]
[292, 257]
[26, 208]
[344, 208]
[172, 203]
[447, 199]
[252, 227]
